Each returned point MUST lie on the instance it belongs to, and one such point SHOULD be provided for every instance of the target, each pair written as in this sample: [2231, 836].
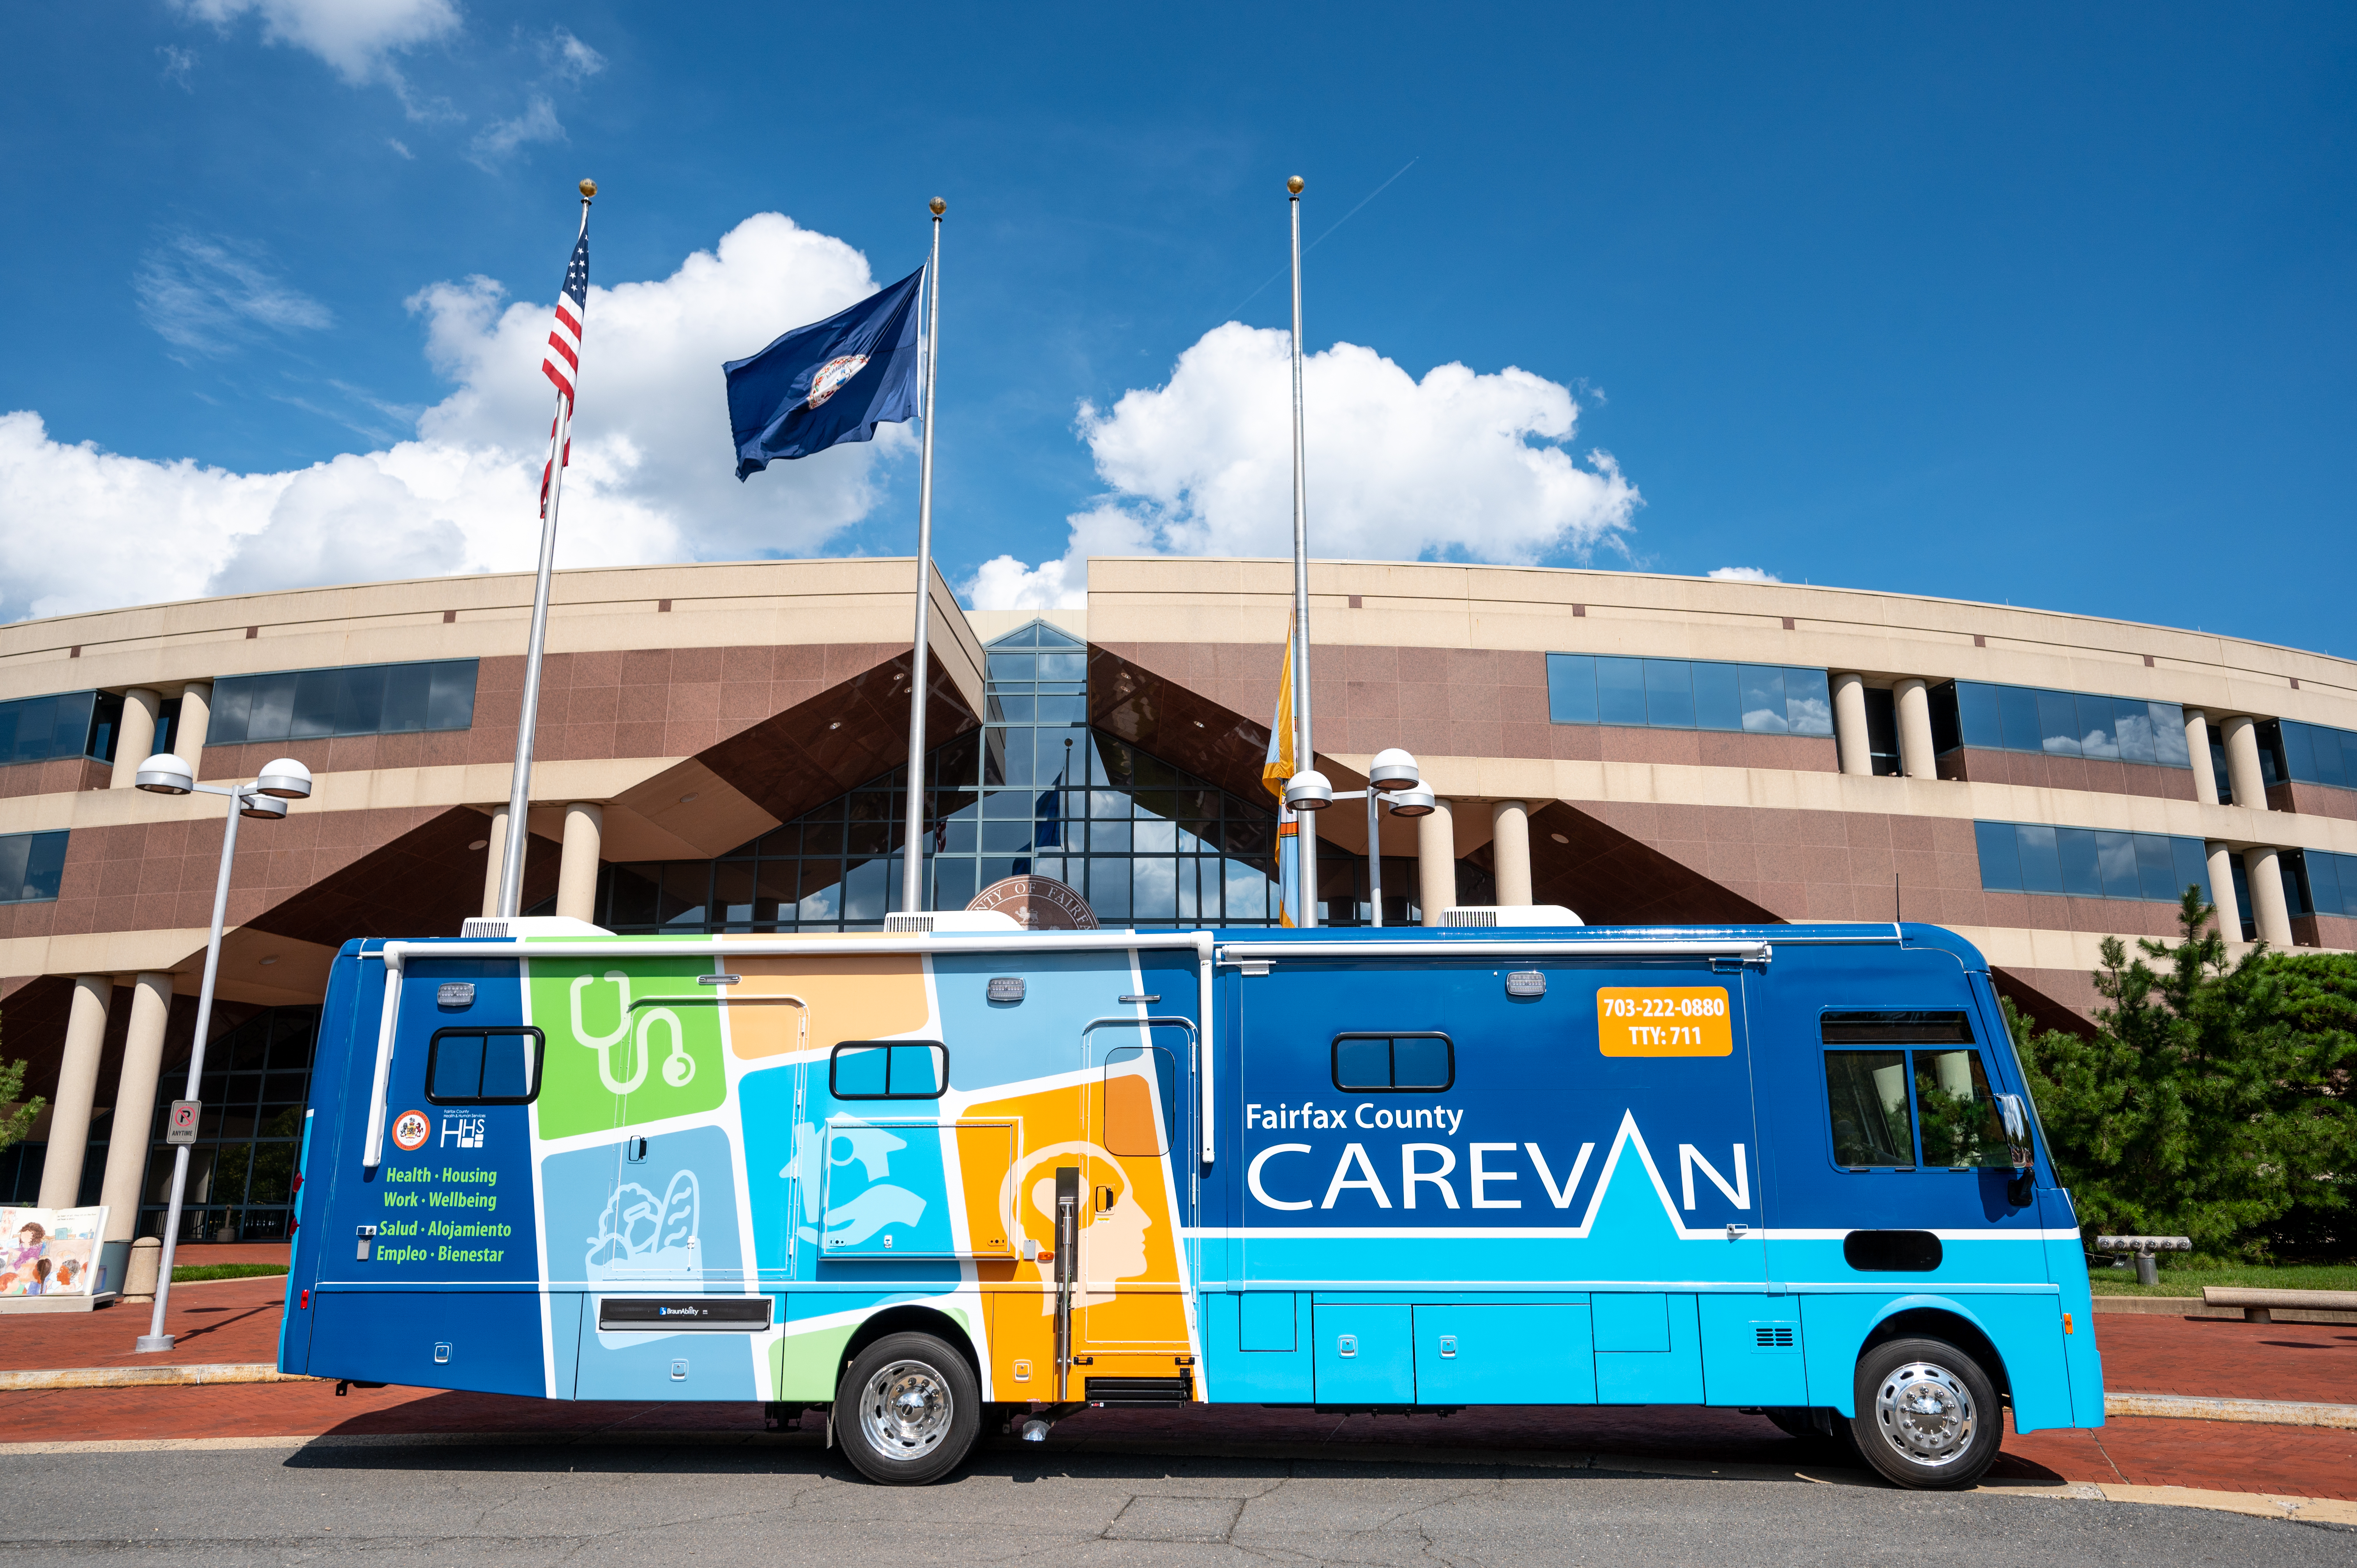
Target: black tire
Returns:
[908, 1411]
[1928, 1416]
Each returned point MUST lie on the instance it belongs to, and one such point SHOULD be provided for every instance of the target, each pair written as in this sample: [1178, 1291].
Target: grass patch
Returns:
[185, 1273]
[2186, 1279]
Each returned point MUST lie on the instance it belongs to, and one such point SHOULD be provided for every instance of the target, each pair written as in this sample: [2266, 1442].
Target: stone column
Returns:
[196, 718]
[1509, 850]
[134, 1104]
[1856, 749]
[576, 874]
[76, 1091]
[2243, 775]
[1436, 863]
[2222, 890]
[1915, 746]
[2197, 749]
[492, 852]
[2268, 909]
[135, 738]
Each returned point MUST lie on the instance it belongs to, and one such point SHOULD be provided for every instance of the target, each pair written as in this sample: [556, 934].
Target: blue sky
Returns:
[2049, 308]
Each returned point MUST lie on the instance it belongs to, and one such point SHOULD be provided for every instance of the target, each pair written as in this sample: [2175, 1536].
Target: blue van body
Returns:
[1354, 1168]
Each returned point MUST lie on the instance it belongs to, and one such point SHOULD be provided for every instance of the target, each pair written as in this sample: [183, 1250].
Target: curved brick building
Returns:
[722, 746]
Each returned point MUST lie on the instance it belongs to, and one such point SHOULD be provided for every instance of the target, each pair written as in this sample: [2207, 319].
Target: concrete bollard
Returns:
[146, 1262]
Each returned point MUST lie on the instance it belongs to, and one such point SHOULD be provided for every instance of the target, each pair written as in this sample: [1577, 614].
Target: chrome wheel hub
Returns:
[905, 1411]
[1925, 1413]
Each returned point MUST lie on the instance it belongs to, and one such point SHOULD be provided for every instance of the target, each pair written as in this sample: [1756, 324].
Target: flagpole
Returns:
[520, 786]
[1305, 854]
[912, 850]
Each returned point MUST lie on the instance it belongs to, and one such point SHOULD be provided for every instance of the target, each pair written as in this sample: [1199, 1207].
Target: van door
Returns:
[1134, 1195]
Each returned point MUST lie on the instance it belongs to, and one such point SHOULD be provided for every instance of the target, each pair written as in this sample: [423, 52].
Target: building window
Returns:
[2314, 753]
[358, 699]
[43, 729]
[2086, 863]
[240, 1188]
[1679, 693]
[31, 866]
[2317, 882]
[1882, 730]
[2058, 724]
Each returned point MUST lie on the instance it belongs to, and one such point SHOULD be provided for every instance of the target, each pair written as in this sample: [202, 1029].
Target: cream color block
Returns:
[2263, 868]
[134, 736]
[1850, 740]
[1435, 864]
[495, 849]
[196, 719]
[1917, 759]
[77, 1092]
[576, 874]
[2222, 891]
[1510, 840]
[134, 1104]
[2197, 749]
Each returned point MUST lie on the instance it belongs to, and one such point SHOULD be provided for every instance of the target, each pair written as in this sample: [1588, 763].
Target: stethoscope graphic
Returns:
[678, 1068]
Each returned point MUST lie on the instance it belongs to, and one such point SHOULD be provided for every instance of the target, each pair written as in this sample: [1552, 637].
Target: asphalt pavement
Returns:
[436, 1503]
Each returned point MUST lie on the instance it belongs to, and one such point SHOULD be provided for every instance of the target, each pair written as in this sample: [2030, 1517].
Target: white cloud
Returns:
[398, 145]
[652, 476]
[355, 36]
[1457, 466]
[499, 139]
[210, 295]
[1743, 575]
[177, 65]
[570, 58]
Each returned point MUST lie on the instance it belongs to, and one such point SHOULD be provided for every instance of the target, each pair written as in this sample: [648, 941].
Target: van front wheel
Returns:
[1927, 1414]
[908, 1411]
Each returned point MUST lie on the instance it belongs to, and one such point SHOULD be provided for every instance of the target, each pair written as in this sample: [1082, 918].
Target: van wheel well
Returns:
[908, 1320]
[1932, 1323]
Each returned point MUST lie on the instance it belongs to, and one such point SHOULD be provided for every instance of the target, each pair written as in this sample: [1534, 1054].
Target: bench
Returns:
[2261, 1306]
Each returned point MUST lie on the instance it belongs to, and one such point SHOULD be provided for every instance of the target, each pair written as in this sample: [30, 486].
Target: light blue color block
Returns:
[1632, 1320]
[1737, 1369]
[1504, 1355]
[1364, 1355]
[1670, 1376]
[1268, 1320]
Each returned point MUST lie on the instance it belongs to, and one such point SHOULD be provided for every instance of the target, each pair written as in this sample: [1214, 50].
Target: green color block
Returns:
[631, 1041]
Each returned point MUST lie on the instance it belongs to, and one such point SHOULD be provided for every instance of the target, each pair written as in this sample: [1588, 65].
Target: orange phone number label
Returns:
[1664, 1021]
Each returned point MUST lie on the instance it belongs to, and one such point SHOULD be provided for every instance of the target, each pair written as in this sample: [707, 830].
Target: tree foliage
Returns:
[17, 1122]
[2214, 1099]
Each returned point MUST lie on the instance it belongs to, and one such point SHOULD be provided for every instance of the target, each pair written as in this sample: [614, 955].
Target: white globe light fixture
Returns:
[1418, 802]
[1308, 790]
[264, 799]
[1393, 769]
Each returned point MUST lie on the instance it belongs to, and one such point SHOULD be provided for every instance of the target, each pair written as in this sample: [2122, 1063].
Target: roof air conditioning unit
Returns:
[519, 926]
[951, 920]
[1491, 916]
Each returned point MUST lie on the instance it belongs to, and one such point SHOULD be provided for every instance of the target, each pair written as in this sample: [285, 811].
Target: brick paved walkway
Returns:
[238, 1321]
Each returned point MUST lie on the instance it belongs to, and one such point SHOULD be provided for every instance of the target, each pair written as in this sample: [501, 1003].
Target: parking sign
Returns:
[182, 1127]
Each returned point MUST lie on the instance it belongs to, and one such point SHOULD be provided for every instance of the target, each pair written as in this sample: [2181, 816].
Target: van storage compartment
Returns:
[1365, 1354]
[1504, 1354]
[1647, 1348]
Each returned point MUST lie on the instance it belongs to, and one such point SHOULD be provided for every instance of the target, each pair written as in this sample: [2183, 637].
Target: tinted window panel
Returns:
[13, 850]
[1976, 705]
[2097, 736]
[1764, 710]
[274, 708]
[2058, 724]
[2017, 715]
[1571, 688]
[2116, 852]
[1808, 702]
[1420, 1062]
[1961, 1125]
[2193, 865]
[1621, 691]
[861, 1072]
[1669, 693]
[1362, 1064]
[2324, 883]
[232, 700]
[2042, 870]
[451, 702]
[2132, 728]
[2169, 735]
[2000, 854]
[2157, 867]
[2082, 878]
[1718, 697]
[314, 703]
[484, 1067]
[406, 689]
[1926, 1027]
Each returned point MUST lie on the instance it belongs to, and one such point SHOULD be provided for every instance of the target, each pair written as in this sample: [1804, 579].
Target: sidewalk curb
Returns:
[149, 1377]
[2331, 1511]
[2200, 1311]
[2269, 1413]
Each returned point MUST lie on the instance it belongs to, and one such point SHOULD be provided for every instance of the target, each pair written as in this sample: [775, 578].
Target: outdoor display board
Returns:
[51, 1252]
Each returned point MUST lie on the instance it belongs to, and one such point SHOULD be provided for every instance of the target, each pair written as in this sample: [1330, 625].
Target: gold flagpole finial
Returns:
[1294, 184]
[939, 206]
[588, 188]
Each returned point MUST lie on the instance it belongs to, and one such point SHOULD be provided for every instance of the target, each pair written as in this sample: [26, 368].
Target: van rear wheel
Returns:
[1928, 1415]
[908, 1410]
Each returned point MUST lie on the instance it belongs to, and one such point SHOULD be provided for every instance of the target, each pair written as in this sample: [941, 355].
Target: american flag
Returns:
[562, 361]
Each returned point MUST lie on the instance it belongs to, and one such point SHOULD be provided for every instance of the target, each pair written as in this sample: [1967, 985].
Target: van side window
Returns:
[888, 1069]
[1879, 1100]
[496, 1065]
[1395, 1064]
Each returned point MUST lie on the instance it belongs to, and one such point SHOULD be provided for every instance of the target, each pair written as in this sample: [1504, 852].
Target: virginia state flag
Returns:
[835, 380]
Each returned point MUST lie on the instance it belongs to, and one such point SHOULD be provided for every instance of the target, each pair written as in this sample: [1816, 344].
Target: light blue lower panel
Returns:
[1237, 1376]
[1751, 1350]
[1266, 1320]
[1669, 1376]
[1363, 1354]
[2026, 1329]
[564, 1341]
[1504, 1355]
[692, 1365]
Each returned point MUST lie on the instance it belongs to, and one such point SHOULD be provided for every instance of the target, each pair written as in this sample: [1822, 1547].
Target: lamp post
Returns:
[1393, 777]
[265, 800]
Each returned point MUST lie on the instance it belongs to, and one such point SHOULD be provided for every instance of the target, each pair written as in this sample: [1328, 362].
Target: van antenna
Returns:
[1896, 919]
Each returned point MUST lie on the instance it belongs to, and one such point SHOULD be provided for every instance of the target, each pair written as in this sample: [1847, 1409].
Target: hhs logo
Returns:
[462, 1131]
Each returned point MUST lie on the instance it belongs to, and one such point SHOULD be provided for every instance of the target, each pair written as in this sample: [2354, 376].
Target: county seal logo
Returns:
[410, 1130]
[833, 374]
